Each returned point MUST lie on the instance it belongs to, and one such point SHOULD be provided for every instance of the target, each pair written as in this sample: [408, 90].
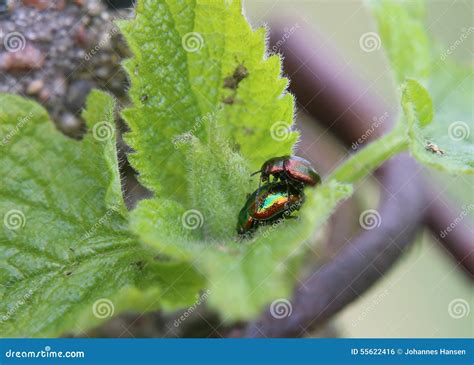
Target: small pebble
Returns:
[77, 94]
[59, 85]
[34, 87]
[94, 8]
[80, 35]
[102, 72]
[28, 58]
[45, 4]
[69, 122]
[44, 95]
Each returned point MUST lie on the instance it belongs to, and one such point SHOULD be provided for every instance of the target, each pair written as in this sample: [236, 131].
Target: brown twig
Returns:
[447, 224]
[341, 104]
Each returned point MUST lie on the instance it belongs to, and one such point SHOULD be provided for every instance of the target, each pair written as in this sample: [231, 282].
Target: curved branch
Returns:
[341, 104]
[447, 225]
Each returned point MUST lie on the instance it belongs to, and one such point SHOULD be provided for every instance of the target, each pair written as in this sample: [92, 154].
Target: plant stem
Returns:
[371, 157]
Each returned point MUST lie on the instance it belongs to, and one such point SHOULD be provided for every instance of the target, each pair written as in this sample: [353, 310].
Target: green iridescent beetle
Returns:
[292, 169]
[268, 204]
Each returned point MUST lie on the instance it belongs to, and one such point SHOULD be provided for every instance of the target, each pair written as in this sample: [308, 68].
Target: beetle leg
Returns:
[258, 192]
[254, 225]
[288, 189]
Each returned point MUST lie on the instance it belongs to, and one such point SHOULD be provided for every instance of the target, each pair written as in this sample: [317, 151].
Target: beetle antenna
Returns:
[255, 173]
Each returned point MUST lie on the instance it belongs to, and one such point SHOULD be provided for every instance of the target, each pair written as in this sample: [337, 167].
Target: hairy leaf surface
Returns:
[67, 259]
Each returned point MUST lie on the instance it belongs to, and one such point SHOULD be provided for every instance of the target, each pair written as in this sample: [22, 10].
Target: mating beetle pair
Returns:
[281, 197]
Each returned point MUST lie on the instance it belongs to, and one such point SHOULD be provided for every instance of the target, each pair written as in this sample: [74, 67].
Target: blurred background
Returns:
[412, 299]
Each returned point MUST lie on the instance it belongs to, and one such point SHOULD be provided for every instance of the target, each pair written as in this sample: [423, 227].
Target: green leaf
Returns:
[404, 38]
[209, 107]
[182, 76]
[452, 88]
[446, 143]
[417, 104]
[67, 260]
